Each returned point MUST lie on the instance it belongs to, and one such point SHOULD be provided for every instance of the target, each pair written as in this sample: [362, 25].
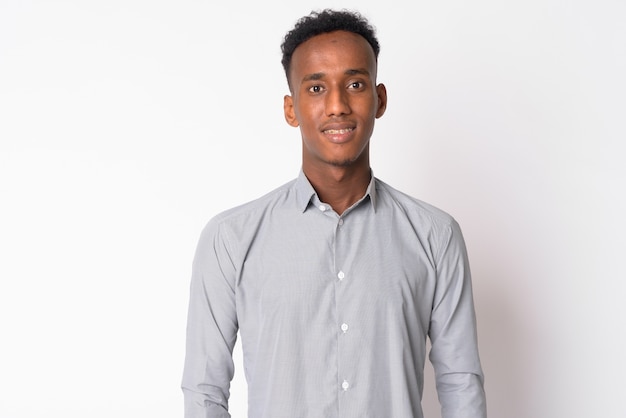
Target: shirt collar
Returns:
[305, 192]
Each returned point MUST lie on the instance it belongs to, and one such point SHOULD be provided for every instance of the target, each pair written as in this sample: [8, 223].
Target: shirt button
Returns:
[345, 385]
[341, 275]
[344, 328]
[340, 222]
[322, 208]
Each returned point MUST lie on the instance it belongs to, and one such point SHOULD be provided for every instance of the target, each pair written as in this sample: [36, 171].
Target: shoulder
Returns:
[393, 198]
[253, 210]
[228, 234]
[430, 224]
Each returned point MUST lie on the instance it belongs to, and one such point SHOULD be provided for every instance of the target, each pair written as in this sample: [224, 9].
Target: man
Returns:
[334, 280]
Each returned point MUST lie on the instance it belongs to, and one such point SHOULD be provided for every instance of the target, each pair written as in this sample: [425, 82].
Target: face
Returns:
[334, 99]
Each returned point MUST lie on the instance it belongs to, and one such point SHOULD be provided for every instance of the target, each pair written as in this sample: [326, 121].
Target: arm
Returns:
[211, 328]
[454, 352]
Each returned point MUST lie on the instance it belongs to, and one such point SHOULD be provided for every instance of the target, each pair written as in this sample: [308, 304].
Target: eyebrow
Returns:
[361, 71]
[320, 76]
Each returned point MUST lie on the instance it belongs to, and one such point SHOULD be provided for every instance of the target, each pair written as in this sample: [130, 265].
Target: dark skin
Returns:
[335, 101]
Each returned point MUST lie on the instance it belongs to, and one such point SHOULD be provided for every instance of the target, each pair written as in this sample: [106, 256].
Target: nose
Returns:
[337, 102]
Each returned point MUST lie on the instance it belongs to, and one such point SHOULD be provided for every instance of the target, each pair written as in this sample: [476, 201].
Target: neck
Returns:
[339, 187]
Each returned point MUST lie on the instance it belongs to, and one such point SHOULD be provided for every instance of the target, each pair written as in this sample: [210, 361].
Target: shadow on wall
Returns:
[502, 349]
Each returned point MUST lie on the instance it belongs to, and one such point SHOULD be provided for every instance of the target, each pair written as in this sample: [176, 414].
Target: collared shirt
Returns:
[333, 311]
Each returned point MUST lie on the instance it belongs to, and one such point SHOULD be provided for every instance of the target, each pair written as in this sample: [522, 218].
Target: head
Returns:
[330, 59]
[326, 21]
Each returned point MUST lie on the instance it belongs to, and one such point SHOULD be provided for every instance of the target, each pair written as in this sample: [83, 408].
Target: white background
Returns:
[126, 125]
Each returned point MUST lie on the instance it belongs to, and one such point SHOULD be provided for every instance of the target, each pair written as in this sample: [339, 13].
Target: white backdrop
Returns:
[126, 124]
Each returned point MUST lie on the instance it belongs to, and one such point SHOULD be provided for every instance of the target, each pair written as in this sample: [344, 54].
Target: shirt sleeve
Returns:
[211, 327]
[454, 344]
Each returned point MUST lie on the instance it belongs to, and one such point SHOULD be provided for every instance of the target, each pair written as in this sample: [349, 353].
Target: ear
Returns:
[381, 91]
[290, 114]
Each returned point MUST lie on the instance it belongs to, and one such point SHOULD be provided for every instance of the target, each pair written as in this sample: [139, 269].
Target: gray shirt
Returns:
[333, 311]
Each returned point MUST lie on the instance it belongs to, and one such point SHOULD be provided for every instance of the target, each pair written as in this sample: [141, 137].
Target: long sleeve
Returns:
[454, 352]
[211, 328]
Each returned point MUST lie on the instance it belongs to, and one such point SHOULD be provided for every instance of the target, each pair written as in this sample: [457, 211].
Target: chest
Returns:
[348, 264]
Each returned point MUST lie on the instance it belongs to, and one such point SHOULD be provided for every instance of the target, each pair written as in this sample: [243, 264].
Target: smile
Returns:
[338, 131]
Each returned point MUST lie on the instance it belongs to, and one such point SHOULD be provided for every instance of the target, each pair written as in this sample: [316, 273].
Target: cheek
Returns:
[307, 114]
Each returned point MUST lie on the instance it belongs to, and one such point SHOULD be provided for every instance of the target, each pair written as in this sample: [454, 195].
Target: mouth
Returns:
[338, 131]
[339, 135]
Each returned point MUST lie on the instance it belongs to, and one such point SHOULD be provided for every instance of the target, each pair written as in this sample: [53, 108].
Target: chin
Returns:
[346, 162]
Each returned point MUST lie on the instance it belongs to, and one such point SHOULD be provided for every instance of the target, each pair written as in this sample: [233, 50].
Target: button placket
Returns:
[343, 328]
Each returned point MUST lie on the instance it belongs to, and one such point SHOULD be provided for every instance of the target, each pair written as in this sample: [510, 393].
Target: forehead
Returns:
[336, 49]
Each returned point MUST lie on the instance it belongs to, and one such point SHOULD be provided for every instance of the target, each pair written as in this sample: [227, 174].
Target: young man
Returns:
[334, 280]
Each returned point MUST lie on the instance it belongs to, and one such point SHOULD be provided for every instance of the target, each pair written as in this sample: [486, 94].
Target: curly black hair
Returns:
[327, 20]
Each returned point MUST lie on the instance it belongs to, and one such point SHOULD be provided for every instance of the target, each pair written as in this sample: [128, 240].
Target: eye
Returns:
[315, 89]
[356, 85]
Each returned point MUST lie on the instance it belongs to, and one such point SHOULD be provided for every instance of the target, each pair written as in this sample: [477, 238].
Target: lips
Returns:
[338, 133]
